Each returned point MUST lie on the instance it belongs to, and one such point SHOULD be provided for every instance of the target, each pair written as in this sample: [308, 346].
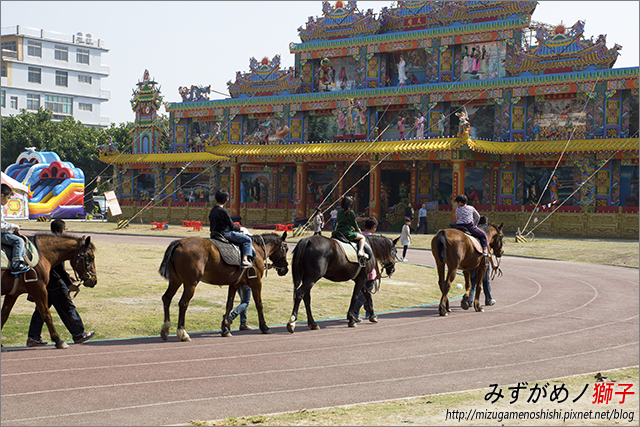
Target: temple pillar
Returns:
[340, 174]
[413, 187]
[301, 190]
[457, 182]
[374, 189]
[234, 187]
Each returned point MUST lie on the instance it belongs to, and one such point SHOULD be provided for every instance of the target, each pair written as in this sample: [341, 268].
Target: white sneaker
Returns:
[404, 260]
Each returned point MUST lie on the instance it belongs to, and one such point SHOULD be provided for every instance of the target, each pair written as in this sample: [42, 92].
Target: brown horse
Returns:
[195, 259]
[452, 248]
[53, 250]
[315, 257]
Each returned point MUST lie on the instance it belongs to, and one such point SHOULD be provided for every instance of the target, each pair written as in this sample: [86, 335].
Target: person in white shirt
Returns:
[318, 223]
[422, 218]
[405, 238]
[468, 217]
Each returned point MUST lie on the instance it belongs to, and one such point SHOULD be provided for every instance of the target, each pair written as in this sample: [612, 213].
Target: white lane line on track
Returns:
[368, 343]
[359, 362]
[308, 389]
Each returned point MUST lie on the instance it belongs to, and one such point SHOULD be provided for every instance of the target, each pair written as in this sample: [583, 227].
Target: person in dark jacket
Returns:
[221, 222]
[58, 295]
[348, 226]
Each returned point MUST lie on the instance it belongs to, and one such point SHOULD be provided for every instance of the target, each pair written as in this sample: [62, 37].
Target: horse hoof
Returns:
[444, 314]
[226, 334]
[314, 327]
[291, 327]
[62, 345]
[353, 324]
[164, 332]
[183, 335]
[464, 304]
[3, 350]
[480, 309]
[266, 331]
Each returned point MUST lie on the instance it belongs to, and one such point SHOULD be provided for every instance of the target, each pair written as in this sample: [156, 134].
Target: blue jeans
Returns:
[333, 223]
[18, 246]
[486, 286]
[244, 292]
[423, 222]
[245, 242]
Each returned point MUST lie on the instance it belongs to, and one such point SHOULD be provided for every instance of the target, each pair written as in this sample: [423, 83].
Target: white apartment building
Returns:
[62, 73]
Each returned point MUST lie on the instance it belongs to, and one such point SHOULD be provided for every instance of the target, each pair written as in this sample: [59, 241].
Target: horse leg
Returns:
[479, 278]
[39, 293]
[188, 291]
[174, 284]
[307, 305]
[465, 303]
[443, 308]
[257, 298]
[225, 328]
[7, 305]
[297, 298]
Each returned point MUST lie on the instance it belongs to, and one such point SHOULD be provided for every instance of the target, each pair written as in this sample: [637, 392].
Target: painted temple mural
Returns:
[560, 119]
[483, 61]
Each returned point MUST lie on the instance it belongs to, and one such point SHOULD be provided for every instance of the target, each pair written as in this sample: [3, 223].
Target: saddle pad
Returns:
[474, 242]
[349, 250]
[32, 257]
[229, 252]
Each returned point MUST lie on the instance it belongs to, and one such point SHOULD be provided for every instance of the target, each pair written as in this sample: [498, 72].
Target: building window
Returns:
[35, 75]
[34, 48]
[62, 78]
[84, 79]
[12, 46]
[85, 107]
[3, 102]
[59, 104]
[4, 71]
[62, 53]
[82, 56]
[33, 101]
[14, 102]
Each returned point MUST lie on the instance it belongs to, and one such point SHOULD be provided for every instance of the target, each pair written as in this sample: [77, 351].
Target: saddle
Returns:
[350, 249]
[32, 257]
[474, 240]
[229, 251]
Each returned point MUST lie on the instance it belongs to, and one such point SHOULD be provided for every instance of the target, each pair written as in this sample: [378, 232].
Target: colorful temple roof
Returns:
[425, 145]
[162, 158]
[562, 49]
[265, 79]
[340, 21]
[415, 15]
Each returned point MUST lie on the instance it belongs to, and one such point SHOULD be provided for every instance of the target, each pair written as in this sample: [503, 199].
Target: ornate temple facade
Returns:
[414, 103]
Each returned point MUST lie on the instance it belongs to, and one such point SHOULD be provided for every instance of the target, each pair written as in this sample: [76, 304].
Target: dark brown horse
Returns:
[315, 257]
[451, 247]
[192, 260]
[53, 250]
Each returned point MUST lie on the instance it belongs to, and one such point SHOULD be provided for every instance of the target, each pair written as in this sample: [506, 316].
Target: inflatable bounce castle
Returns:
[56, 188]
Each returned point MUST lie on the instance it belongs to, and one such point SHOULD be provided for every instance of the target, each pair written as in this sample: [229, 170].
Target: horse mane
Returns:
[380, 244]
[79, 239]
[268, 238]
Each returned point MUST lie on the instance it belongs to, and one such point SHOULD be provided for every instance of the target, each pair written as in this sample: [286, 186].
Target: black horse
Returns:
[315, 257]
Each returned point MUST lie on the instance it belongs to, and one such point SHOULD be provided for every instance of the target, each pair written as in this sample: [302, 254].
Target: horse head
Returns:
[495, 240]
[279, 256]
[83, 263]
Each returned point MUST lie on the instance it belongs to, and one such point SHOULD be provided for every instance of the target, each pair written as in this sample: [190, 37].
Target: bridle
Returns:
[268, 265]
[495, 268]
[84, 258]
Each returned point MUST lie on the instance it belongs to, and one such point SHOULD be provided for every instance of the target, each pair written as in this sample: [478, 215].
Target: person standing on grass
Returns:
[318, 223]
[58, 295]
[422, 218]
[334, 217]
[405, 238]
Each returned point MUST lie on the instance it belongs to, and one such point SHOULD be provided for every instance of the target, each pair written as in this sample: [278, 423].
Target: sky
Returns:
[205, 43]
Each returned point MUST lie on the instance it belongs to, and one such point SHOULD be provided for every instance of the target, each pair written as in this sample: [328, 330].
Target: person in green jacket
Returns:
[348, 226]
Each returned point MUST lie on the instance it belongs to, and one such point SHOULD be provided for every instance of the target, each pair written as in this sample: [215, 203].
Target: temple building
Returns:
[417, 102]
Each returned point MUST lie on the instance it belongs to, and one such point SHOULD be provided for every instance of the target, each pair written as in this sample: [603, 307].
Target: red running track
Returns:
[552, 319]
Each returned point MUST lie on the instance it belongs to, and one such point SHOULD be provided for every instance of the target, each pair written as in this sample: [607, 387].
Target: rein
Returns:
[82, 257]
[268, 265]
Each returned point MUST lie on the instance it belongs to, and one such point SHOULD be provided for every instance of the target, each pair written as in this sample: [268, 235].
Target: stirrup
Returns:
[362, 261]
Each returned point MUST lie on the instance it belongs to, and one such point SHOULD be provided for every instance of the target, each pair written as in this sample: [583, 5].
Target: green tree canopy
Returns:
[70, 139]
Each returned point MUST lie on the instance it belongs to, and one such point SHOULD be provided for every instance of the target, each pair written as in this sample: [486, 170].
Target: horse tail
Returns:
[441, 246]
[297, 264]
[164, 266]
